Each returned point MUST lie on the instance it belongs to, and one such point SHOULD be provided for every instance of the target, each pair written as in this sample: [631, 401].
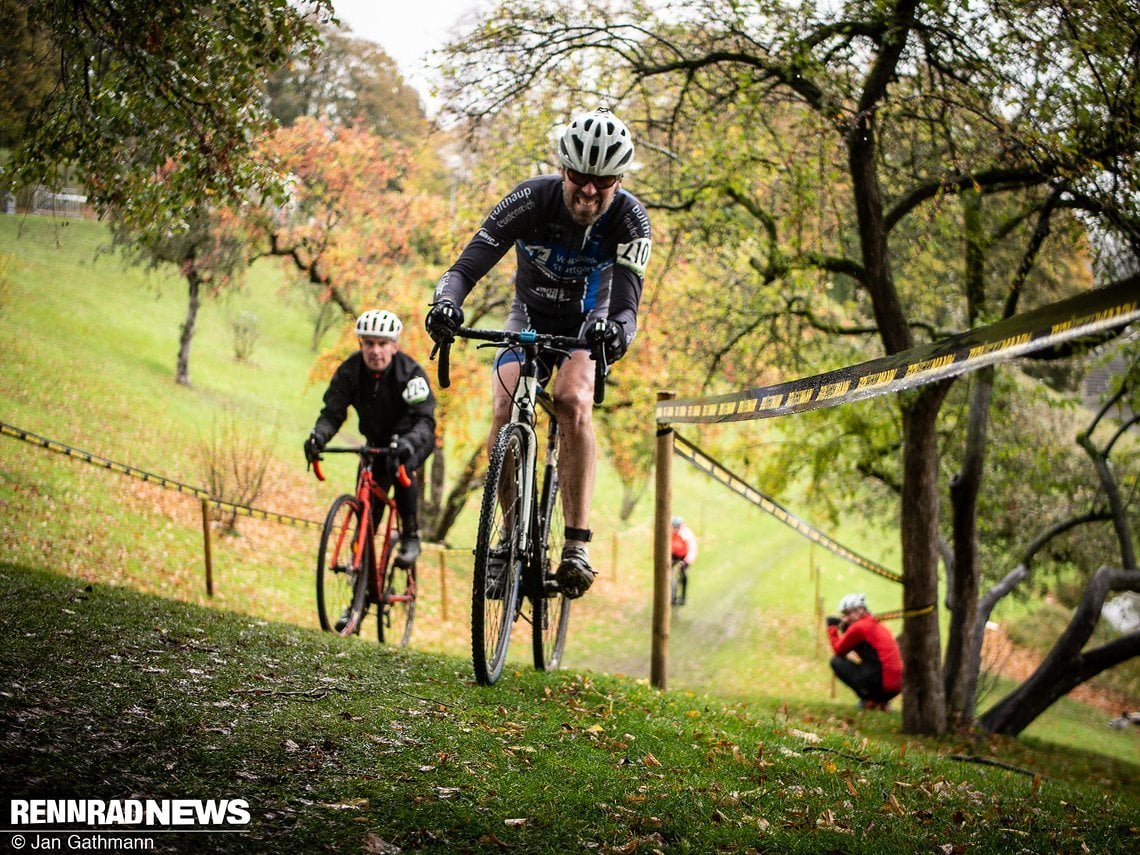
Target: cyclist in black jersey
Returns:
[581, 243]
[391, 395]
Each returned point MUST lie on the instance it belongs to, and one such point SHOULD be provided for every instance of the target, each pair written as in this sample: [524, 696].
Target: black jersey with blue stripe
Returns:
[566, 271]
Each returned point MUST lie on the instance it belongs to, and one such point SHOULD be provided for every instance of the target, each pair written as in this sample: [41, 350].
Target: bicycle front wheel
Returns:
[551, 617]
[342, 577]
[495, 588]
[398, 604]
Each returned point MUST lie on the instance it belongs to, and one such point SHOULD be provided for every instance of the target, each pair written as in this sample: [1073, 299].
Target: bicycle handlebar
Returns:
[364, 451]
[525, 338]
[443, 349]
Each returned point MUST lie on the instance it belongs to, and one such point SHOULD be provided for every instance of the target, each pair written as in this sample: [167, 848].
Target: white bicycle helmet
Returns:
[596, 143]
[379, 324]
[852, 601]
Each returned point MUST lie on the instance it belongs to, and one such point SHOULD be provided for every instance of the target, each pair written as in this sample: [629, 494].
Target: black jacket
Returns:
[398, 401]
[564, 270]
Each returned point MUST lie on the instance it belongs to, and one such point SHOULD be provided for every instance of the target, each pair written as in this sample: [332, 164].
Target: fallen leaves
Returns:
[375, 845]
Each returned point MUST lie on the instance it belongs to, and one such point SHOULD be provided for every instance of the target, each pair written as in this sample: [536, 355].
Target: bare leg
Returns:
[577, 459]
[503, 384]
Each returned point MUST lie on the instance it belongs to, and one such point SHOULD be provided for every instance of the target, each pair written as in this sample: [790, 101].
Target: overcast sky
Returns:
[409, 30]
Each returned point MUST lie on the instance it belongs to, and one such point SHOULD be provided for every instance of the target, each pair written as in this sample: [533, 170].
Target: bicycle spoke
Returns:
[551, 614]
[341, 582]
[398, 610]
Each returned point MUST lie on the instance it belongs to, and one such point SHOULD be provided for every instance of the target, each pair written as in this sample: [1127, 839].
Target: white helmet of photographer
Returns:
[852, 601]
[596, 143]
[379, 324]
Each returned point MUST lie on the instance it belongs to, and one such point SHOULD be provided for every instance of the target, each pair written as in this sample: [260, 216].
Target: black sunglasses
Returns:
[600, 182]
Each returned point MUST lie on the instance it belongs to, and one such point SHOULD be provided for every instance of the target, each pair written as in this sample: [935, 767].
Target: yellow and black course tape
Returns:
[903, 613]
[178, 486]
[686, 450]
[151, 478]
[1086, 314]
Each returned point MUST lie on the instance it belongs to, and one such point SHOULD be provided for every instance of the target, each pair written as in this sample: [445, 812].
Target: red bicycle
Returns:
[352, 574]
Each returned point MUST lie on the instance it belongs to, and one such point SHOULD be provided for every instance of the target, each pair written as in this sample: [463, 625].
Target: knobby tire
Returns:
[550, 615]
[342, 583]
[500, 519]
[398, 605]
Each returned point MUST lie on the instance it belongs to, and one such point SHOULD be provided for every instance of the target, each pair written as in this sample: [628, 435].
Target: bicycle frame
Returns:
[369, 570]
[523, 414]
[513, 544]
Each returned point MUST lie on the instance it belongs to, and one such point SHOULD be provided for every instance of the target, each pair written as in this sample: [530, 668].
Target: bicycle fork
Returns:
[522, 417]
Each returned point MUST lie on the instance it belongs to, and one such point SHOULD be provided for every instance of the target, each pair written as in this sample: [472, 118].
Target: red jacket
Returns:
[871, 640]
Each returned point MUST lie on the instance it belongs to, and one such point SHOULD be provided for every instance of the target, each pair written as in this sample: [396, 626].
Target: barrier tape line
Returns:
[688, 451]
[904, 613]
[258, 514]
[121, 468]
[151, 478]
[1085, 314]
[170, 484]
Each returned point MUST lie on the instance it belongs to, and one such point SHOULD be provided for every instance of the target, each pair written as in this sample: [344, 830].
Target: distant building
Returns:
[68, 202]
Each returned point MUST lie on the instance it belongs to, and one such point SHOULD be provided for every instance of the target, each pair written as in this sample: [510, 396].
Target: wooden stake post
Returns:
[659, 657]
[209, 551]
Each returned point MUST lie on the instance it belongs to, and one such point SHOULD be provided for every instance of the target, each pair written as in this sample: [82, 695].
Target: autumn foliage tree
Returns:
[142, 89]
[366, 235]
[810, 148]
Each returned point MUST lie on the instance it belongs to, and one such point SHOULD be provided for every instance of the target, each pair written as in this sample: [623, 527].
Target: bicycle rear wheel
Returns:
[495, 588]
[551, 615]
[398, 604]
[342, 579]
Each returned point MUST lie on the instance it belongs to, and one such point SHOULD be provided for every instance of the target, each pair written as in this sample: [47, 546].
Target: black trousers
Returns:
[864, 678]
[407, 498]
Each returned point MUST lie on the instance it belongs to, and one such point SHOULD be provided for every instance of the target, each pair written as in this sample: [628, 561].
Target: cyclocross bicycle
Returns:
[351, 574]
[521, 531]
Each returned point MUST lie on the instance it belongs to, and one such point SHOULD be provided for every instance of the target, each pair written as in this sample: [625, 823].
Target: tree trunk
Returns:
[1112, 493]
[961, 679]
[924, 708]
[1066, 667]
[889, 315]
[924, 694]
[182, 374]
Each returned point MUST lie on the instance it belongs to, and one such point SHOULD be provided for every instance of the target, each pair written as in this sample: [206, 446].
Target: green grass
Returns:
[342, 745]
[87, 354]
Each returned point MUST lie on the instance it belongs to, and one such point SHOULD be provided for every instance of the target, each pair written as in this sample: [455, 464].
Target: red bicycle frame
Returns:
[365, 569]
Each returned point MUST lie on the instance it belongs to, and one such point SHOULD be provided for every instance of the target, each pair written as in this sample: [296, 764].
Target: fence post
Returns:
[209, 553]
[814, 571]
[614, 557]
[443, 583]
[659, 657]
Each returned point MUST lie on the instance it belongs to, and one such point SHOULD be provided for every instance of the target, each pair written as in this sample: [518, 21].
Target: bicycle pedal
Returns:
[550, 587]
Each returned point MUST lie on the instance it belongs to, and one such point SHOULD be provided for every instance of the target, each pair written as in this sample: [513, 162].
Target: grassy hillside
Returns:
[87, 352]
[339, 745]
